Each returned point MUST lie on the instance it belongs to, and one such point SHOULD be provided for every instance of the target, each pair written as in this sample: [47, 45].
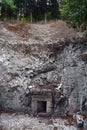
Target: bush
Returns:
[74, 12]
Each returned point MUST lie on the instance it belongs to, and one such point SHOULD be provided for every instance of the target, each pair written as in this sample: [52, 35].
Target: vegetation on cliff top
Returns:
[73, 11]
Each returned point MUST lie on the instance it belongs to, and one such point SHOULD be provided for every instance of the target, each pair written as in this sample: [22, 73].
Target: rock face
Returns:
[24, 122]
[39, 64]
[79, 120]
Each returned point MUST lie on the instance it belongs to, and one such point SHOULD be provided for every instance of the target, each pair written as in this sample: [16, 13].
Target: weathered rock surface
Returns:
[24, 122]
[42, 61]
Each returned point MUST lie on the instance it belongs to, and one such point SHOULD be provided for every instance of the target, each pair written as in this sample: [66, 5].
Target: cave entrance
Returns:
[41, 106]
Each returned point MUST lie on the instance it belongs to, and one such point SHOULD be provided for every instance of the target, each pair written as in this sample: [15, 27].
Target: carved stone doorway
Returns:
[41, 106]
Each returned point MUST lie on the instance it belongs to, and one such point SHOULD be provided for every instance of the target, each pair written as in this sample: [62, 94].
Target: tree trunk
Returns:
[45, 17]
[31, 18]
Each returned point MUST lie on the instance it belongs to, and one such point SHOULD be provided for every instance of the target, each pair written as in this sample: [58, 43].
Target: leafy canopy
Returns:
[74, 12]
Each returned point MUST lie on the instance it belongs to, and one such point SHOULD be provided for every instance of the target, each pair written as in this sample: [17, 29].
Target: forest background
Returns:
[73, 12]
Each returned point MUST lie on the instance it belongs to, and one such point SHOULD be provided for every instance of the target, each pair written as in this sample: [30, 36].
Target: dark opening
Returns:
[41, 106]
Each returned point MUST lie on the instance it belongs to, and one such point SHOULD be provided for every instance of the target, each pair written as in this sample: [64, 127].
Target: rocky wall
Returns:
[24, 65]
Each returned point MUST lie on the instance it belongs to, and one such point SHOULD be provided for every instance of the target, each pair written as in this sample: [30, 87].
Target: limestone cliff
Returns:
[42, 60]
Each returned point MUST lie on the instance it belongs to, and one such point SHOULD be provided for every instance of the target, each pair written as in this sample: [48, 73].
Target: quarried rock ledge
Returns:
[60, 65]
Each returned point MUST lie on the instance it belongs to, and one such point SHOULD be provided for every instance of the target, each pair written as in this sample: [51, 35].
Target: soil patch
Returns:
[22, 29]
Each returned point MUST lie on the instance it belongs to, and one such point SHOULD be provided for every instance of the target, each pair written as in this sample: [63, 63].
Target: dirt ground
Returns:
[52, 31]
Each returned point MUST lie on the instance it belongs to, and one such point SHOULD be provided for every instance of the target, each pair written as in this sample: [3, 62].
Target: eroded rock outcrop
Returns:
[50, 64]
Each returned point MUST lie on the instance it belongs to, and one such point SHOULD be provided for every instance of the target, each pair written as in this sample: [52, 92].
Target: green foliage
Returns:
[10, 3]
[8, 8]
[74, 12]
[22, 9]
[49, 16]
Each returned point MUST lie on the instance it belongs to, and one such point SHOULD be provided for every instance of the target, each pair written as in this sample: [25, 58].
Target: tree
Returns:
[25, 8]
[31, 6]
[33, 9]
[55, 9]
[8, 8]
[20, 4]
[74, 12]
[51, 6]
[41, 7]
